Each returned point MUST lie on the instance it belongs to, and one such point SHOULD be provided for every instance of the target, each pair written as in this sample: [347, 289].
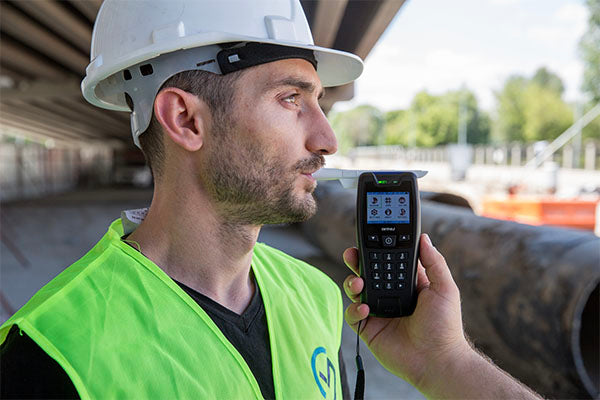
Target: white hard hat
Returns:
[138, 44]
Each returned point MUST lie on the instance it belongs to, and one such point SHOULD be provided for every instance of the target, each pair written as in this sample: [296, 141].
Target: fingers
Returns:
[422, 280]
[351, 259]
[356, 312]
[353, 285]
[436, 269]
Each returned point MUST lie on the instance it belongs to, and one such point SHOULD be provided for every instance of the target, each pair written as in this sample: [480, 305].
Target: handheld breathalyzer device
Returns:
[388, 227]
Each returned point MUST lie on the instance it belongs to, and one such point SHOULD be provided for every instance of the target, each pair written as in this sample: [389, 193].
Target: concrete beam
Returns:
[111, 116]
[89, 8]
[35, 90]
[385, 14]
[40, 132]
[335, 94]
[90, 118]
[327, 21]
[21, 59]
[16, 126]
[43, 118]
[7, 72]
[55, 16]
[86, 116]
[30, 33]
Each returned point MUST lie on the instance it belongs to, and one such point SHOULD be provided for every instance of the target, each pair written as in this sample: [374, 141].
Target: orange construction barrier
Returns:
[572, 213]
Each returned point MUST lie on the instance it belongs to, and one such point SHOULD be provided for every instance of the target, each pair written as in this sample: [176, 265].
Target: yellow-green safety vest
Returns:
[121, 328]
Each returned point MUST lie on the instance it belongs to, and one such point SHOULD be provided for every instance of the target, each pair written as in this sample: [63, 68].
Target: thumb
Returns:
[435, 266]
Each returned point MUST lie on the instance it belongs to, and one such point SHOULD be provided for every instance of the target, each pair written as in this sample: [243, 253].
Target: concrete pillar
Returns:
[567, 156]
[529, 153]
[515, 155]
[479, 155]
[489, 155]
[590, 155]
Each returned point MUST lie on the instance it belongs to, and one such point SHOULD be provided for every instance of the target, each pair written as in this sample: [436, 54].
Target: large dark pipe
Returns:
[530, 294]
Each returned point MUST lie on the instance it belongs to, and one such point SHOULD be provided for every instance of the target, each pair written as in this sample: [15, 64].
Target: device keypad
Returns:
[391, 273]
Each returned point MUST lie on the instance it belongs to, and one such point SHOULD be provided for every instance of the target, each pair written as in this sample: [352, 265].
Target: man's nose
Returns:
[321, 138]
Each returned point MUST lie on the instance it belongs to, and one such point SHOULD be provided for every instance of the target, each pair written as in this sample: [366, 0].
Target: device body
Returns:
[388, 230]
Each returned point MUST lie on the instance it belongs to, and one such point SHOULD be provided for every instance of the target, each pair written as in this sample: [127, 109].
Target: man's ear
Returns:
[183, 116]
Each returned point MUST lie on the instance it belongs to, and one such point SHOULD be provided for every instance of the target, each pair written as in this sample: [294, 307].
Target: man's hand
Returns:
[429, 348]
[407, 346]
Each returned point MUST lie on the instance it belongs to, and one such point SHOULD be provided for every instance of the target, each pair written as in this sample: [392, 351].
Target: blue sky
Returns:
[440, 45]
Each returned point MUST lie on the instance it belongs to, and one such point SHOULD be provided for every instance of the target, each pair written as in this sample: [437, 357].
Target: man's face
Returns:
[261, 156]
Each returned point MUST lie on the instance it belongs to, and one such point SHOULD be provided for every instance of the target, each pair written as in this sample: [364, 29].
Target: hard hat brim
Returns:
[334, 67]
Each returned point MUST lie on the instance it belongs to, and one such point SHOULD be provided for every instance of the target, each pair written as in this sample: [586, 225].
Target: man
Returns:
[189, 304]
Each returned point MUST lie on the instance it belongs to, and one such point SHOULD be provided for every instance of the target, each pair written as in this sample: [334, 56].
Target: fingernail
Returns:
[350, 282]
[428, 239]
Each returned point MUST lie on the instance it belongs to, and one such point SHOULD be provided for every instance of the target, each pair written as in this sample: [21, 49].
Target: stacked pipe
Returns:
[530, 295]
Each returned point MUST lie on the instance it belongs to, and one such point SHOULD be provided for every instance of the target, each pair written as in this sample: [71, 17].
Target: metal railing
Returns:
[515, 154]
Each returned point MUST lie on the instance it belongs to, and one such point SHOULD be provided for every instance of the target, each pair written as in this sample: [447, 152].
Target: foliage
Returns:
[590, 51]
[360, 126]
[430, 121]
[546, 79]
[531, 109]
[433, 120]
[592, 131]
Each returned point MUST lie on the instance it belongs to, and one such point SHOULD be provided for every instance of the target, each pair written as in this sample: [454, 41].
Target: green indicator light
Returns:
[395, 182]
[381, 181]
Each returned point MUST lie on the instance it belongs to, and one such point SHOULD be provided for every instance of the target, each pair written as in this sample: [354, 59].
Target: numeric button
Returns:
[373, 256]
[402, 256]
[375, 266]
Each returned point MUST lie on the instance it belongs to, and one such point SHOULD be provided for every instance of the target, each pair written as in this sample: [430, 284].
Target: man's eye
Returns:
[293, 99]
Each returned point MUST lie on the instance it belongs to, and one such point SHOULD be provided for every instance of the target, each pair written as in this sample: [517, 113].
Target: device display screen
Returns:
[388, 208]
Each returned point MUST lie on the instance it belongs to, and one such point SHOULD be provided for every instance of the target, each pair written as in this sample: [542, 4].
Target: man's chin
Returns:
[305, 208]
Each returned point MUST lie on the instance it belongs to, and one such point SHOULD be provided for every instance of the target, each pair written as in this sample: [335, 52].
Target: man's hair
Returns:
[215, 90]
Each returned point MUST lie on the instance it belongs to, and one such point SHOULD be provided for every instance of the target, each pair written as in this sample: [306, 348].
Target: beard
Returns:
[251, 187]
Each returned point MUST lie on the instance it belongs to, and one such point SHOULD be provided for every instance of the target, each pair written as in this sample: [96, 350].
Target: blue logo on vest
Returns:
[330, 379]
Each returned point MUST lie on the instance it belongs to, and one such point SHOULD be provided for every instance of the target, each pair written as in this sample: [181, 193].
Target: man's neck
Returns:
[186, 237]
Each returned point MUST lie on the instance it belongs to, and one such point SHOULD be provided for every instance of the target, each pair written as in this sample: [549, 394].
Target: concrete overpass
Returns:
[45, 50]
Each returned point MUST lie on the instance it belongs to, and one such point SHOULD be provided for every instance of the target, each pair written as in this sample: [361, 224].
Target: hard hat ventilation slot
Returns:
[205, 62]
[146, 69]
[129, 101]
[127, 75]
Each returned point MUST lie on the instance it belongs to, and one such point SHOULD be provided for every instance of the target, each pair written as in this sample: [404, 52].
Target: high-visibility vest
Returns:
[121, 328]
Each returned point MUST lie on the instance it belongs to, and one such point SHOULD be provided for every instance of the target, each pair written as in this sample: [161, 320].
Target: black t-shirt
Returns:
[26, 371]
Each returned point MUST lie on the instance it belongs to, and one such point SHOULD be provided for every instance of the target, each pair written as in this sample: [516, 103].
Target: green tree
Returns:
[510, 118]
[590, 51]
[531, 109]
[546, 114]
[360, 126]
[433, 120]
[546, 79]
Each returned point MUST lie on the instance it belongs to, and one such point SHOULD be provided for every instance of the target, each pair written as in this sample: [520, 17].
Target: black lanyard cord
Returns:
[359, 389]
